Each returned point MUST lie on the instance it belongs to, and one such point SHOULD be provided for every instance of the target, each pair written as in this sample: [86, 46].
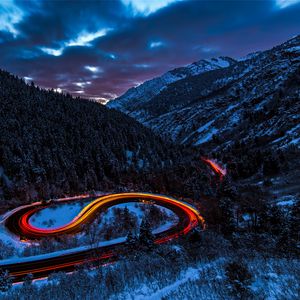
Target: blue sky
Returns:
[99, 49]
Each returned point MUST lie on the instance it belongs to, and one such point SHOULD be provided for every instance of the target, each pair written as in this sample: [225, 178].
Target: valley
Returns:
[149, 150]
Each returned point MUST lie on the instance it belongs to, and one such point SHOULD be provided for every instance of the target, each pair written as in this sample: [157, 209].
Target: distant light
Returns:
[156, 44]
[54, 52]
[58, 90]
[28, 78]
[147, 7]
[112, 56]
[93, 69]
[286, 3]
[85, 38]
[79, 92]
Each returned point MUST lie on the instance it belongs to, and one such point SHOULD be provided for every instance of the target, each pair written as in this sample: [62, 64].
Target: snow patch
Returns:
[207, 136]
[57, 215]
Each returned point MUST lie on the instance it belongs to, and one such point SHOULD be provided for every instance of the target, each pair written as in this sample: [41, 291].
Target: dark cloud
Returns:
[117, 47]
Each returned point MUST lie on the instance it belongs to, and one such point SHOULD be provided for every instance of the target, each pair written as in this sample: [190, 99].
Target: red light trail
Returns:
[19, 223]
[215, 167]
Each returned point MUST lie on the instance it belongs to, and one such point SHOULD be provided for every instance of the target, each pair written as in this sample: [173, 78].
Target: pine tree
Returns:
[227, 188]
[276, 220]
[132, 246]
[127, 219]
[28, 288]
[27, 282]
[131, 239]
[238, 280]
[5, 281]
[227, 215]
[146, 238]
[271, 165]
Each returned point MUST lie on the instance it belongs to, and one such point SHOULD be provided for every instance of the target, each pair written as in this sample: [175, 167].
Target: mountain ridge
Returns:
[242, 101]
[150, 88]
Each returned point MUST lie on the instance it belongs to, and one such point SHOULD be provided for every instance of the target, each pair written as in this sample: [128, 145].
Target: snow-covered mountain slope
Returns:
[146, 91]
[256, 97]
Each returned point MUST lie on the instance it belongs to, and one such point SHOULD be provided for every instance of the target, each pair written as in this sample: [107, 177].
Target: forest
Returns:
[53, 145]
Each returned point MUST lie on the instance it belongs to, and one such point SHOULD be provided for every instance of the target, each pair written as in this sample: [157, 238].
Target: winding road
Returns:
[18, 222]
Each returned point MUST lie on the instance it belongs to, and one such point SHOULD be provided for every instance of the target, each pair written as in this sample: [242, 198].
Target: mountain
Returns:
[151, 88]
[255, 98]
[53, 144]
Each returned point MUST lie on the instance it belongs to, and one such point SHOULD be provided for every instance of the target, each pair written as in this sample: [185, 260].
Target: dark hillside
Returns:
[52, 143]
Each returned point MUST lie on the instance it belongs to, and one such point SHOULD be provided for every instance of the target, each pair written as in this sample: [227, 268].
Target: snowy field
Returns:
[138, 209]
[57, 215]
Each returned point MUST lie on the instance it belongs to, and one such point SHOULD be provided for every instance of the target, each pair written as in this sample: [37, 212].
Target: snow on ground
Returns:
[61, 214]
[207, 136]
[189, 274]
[293, 49]
[205, 126]
[15, 260]
[129, 156]
[57, 215]
[291, 137]
[231, 107]
[288, 200]
[271, 279]
[138, 209]
[9, 239]
[234, 118]
[4, 177]
[69, 210]
[150, 291]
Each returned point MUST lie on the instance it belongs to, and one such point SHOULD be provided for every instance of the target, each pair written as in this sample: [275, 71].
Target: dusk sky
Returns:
[99, 49]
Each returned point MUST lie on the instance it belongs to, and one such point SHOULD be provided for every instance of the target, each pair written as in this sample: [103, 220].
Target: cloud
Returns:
[147, 7]
[82, 84]
[112, 56]
[286, 3]
[84, 38]
[54, 52]
[156, 44]
[93, 69]
[10, 15]
[143, 66]
[99, 49]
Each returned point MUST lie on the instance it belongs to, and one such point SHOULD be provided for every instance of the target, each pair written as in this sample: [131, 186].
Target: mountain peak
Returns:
[149, 89]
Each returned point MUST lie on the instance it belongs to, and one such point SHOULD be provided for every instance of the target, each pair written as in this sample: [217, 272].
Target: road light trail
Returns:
[215, 167]
[19, 223]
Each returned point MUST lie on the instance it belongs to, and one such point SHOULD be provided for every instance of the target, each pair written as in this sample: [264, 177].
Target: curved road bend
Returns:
[19, 223]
